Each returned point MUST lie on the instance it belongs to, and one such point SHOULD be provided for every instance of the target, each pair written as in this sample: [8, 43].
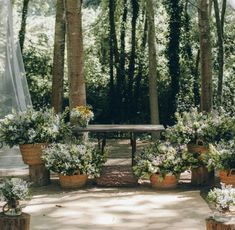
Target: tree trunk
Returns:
[205, 56]
[121, 79]
[21, 222]
[153, 94]
[173, 52]
[220, 57]
[58, 64]
[112, 57]
[23, 24]
[77, 90]
[212, 224]
[135, 11]
[196, 90]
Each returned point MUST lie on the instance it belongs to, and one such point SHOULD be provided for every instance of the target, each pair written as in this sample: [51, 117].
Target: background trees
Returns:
[115, 35]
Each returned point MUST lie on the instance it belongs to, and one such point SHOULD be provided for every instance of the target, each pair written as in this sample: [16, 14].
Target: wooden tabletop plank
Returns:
[121, 128]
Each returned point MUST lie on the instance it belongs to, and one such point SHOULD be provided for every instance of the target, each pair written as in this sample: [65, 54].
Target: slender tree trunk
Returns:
[58, 60]
[137, 92]
[153, 94]
[77, 90]
[173, 51]
[113, 60]
[131, 71]
[196, 90]
[205, 56]
[219, 29]
[23, 24]
[121, 80]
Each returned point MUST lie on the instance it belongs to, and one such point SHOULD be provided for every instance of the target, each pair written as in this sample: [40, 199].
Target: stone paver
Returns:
[96, 208]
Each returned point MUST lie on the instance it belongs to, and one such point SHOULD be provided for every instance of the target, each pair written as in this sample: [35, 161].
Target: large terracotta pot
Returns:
[31, 153]
[74, 181]
[227, 177]
[195, 148]
[169, 181]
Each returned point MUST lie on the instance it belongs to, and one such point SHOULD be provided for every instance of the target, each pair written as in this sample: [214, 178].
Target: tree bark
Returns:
[58, 60]
[173, 52]
[121, 79]
[21, 222]
[153, 94]
[23, 24]
[77, 90]
[205, 56]
[135, 11]
[112, 56]
[219, 29]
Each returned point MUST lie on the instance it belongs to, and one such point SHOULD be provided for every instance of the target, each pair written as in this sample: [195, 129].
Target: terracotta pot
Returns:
[227, 177]
[74, 181]
[169, 181]
[31, 153]
[195, 148]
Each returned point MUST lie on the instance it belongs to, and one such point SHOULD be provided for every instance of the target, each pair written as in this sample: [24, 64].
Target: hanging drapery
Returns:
[14, 93]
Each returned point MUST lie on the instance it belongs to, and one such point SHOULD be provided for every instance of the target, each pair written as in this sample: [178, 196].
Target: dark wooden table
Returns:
[101, 130]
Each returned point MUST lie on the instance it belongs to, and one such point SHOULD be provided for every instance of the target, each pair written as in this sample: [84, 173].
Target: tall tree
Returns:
[121, 78]
[205, 56]
[23, 24]
[174, 8]
[153, 94]
[113, 61]
[131, 71]
[220, 38]
[58, 60]
[77, 90]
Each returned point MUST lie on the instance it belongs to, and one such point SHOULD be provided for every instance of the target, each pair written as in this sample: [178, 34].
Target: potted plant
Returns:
[223, 200]
[73, 162]
[11, 191]
[222, 157]
[32, 130]
[191, 128]
[162, 162]
[81, 115]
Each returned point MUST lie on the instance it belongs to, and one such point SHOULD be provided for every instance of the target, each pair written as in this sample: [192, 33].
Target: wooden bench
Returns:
[102, 130]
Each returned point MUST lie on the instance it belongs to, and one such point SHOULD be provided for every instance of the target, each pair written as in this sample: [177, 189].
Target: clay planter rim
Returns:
[72, 181]
[196, 148]
[227, 176]
[154, 179]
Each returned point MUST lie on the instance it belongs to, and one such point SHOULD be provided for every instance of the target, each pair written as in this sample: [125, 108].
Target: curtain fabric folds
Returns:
[14, 93]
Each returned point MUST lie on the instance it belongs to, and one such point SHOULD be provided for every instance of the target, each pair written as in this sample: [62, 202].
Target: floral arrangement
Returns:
[30, 126]
[194, 126]
[160, 158]
[81, 115]
[220, 126]
[72, 159]
[189, 128]
[221, 156]
[14, 189]
[224, 198]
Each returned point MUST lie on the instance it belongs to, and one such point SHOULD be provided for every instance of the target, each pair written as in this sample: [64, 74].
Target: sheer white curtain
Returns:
[14, 93]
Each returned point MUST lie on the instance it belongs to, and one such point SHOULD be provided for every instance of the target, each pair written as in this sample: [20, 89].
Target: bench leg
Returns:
[133, 148]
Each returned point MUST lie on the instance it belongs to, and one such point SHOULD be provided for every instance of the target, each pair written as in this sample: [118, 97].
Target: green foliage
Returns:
[30, 127]
[38, 67]
[221, 156]
[72, 159]
[159, 158]
[14, 189]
